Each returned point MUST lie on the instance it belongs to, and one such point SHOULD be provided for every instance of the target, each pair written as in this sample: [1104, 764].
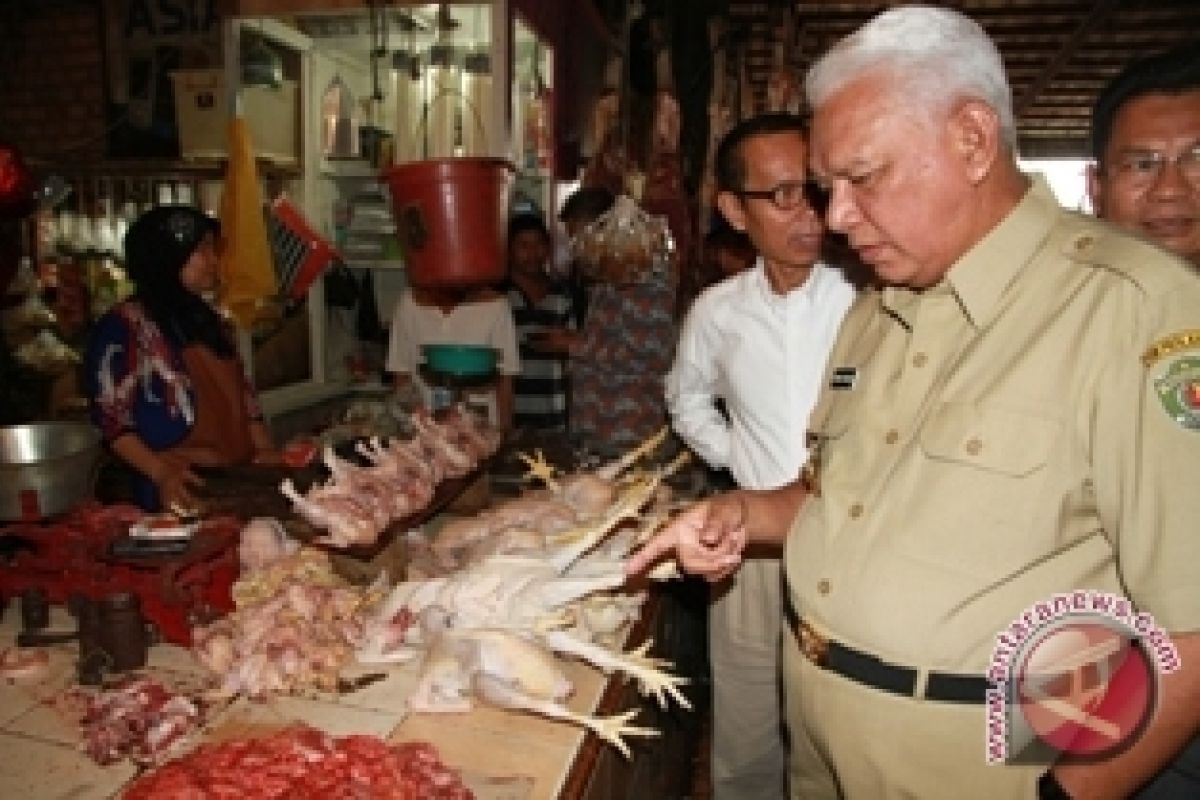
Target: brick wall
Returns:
[52, 79]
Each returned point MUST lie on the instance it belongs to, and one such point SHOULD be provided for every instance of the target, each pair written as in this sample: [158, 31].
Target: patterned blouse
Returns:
[137, 381]
[618, 375]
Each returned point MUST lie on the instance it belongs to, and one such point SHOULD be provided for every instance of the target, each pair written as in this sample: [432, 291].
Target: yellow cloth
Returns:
[247, 272]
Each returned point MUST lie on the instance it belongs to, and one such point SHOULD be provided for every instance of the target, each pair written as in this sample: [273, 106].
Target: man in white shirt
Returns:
[424, 316]
[758, 341]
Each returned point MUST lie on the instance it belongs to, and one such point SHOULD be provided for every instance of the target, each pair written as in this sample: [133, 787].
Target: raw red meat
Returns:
[139, 719]
[299, 453]
[302, 763]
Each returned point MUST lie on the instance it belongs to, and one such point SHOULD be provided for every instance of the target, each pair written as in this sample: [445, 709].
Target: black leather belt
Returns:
[871, 671]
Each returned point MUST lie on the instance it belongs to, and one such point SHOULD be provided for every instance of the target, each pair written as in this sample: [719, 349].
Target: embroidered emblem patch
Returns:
[1179, 391]
[1175, 343]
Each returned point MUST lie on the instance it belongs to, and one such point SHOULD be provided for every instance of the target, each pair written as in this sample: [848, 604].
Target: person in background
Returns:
[623, 352]
[1010, 420]
[581, 208]
[451, 316]
[1146, 180]
[729, 250]
[1146, 146]
[164, 381]
[539, 304]
[725, 252]
[777, 319]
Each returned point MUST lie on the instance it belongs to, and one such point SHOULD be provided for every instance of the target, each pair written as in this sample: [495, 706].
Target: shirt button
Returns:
[1083, 242]
[892, 436]
[823, 586]
[856, 511]
[919, 360]
[974, 447]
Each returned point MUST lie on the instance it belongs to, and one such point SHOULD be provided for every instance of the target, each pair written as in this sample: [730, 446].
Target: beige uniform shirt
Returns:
[1003, 440]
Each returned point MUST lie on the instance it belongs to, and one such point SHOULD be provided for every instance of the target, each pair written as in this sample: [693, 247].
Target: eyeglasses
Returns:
[1142, 168]
[789, 195]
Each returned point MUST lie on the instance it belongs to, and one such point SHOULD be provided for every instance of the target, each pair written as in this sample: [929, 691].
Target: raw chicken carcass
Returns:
[540, 512]
[263, 542]
[523, 523]
[508, 671]
[357, 502]
[590, 493]
[480, 627]
[295, 625]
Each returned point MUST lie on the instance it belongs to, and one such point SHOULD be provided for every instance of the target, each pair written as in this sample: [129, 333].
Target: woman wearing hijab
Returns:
[166, 386]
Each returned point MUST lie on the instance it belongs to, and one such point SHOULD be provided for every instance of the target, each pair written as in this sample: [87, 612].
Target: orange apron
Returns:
[220, 434]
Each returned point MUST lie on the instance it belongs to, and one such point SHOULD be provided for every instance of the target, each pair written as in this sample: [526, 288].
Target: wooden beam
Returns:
[262, 8]
[1056, 146]
[1098, 14]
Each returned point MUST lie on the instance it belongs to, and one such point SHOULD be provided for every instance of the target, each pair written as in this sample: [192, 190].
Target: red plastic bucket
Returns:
[452, 219]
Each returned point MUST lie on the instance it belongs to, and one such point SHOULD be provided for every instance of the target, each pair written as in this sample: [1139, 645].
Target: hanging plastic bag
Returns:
[624, 246]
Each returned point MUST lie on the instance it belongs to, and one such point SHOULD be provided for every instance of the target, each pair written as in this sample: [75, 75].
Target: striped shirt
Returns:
[540, 390]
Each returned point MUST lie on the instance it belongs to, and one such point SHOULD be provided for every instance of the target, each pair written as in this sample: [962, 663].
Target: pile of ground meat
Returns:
[301, 763]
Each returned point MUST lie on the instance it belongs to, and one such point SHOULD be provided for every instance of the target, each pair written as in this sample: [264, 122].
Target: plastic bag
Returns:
[624, 246]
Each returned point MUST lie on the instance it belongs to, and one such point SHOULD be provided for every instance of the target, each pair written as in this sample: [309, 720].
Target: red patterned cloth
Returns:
[617, 377]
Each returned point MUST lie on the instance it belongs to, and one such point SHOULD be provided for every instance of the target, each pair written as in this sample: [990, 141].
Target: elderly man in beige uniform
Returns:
[1014, 416]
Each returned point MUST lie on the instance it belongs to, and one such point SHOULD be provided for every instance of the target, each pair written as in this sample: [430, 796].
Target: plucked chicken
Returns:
[356, 503]
[492, 629]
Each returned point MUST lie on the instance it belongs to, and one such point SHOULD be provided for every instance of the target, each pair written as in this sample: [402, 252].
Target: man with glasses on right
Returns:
[1146, 143]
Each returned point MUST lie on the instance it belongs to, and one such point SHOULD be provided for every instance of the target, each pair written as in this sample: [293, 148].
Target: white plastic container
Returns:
[202, 116]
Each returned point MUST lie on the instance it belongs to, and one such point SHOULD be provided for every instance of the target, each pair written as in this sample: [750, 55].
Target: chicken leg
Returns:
[611, 729]
[646, 670]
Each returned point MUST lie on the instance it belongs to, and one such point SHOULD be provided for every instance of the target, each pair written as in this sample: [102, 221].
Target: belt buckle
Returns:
[813, 645]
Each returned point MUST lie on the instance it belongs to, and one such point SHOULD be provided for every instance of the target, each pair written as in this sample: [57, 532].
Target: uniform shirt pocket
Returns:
[988, 438]
[981, 476]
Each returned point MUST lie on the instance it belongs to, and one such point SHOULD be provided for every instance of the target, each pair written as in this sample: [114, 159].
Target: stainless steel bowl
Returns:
[46, 468]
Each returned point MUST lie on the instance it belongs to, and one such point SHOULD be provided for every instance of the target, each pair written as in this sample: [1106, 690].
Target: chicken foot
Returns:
[541, 469]
[611, 729]
[646, 670]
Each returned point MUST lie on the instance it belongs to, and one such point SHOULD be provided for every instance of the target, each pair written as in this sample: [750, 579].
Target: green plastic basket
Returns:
[465, 360]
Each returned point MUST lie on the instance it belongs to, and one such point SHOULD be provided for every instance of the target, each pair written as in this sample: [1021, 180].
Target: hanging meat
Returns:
[785, 95]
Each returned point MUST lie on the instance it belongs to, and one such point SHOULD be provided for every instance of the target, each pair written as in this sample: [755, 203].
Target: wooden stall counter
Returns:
[502, 755]
[566, 762]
